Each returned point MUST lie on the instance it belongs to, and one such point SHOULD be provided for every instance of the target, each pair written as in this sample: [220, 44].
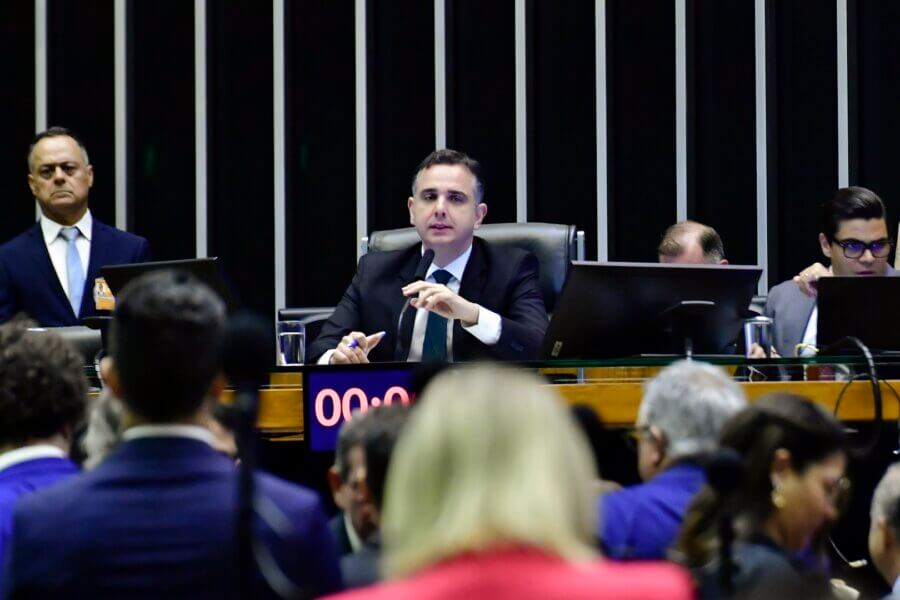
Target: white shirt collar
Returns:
[896, 589]
[51, 228]
[356, 543]
[194, 432]
[456, 267]
[26, 453]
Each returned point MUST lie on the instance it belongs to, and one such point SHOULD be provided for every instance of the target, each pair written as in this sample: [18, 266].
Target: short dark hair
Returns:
[382, 429]
[710, 242]
[42, 384]
[446, 156]
[850, 203]
[166, 343]
[56, 132]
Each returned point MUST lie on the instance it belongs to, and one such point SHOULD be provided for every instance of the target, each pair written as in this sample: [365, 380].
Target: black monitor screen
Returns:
[622, 309]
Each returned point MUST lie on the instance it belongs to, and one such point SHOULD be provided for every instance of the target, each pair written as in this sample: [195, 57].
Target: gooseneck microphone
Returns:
[421, 271]
[247, 359]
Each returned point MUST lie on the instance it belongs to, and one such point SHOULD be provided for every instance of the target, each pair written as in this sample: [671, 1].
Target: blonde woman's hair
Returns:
[490, 458]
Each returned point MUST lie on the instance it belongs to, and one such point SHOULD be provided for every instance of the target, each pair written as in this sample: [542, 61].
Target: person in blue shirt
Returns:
[681, 414]
[42, 397]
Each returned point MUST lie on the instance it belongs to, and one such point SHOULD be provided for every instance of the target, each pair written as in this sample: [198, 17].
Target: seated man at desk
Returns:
[474, 300]
[691, 243]
[855, 237]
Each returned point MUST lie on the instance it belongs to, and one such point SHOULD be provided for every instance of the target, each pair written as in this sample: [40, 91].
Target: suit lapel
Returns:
[409, 316]
[44, 267]
[796, 323]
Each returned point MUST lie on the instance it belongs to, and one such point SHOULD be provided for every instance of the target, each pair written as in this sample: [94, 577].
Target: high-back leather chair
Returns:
[555, 247]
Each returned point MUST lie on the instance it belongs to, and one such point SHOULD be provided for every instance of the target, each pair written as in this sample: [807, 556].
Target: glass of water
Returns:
[291, 343]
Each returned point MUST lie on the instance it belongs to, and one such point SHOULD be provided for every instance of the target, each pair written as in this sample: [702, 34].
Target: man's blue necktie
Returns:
[73, 268]
[435, 346]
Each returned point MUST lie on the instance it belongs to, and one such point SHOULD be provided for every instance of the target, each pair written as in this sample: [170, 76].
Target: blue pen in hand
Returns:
[354, 343]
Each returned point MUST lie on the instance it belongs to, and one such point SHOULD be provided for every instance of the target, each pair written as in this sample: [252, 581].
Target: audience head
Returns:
[682, 414]
[383, 427]
[348, 457]
[854, 233]
[884, 528]
[691, 243]
[446, 205]
[60, 175]
[43, 390]
[104, 428]
[794, 456]
[166, 347]
[489, 458]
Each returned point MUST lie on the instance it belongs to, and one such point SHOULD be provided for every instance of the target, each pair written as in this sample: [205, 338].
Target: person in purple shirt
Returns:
[681, 414]
[42, 397]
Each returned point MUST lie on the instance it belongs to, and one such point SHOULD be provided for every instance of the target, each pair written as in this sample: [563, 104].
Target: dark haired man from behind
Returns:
[855, 238]
[691, 243]
[884, 529]
[475, 300]
[48, 272]
[42, 398]
[157, 517]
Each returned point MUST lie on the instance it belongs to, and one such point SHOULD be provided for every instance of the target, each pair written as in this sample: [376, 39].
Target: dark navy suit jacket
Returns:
[156, 519]
[23, 478]
[501, 279]
[29, 284]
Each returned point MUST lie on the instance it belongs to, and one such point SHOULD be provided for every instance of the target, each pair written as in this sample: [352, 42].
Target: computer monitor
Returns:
[863, 307]
[622, 309]
[206, 270]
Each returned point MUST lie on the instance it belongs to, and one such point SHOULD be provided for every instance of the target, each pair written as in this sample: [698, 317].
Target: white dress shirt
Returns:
[26, 453]
[57, 246]
[194, 432]
[487, 329]
[810, 334]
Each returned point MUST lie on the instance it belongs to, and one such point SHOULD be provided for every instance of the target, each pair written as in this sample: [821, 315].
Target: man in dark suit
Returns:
[42, 399]
[156, 519]
[48, 272]
[489, 293]
[855, 237]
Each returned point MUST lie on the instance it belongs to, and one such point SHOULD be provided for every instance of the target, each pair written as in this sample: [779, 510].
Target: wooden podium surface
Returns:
[614, 400]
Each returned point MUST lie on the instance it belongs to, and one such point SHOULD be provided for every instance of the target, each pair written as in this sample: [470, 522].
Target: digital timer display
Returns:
[331, 396]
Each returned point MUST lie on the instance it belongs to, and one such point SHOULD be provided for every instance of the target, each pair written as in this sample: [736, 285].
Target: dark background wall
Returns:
[320, 130]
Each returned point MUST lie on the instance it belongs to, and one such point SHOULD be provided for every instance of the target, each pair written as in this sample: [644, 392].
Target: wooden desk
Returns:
[615, 400]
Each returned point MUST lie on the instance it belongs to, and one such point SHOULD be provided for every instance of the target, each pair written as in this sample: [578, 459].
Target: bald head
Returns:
[691, 243]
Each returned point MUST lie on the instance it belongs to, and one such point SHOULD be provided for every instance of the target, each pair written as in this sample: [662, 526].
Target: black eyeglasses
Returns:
[856, 248]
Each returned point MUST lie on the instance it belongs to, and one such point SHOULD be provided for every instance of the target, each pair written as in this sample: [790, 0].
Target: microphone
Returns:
[421, 270]
[247, 359]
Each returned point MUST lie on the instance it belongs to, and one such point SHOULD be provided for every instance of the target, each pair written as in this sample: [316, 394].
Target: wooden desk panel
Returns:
[616, 402]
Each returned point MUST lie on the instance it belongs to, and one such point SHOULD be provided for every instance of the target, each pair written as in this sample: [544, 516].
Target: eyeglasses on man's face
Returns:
[856, 248]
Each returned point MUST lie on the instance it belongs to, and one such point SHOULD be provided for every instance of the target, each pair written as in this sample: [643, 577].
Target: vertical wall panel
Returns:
[874, 89]
[81, 94]
[241, 213]
[320, 141]
[641, 125]
[16, 114]
[805, 109]
[562, 113]
[161, 122]
[400, 103]
[721, 123]
[481, 88]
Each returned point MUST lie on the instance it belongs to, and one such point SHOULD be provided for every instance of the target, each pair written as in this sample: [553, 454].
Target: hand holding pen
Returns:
[355, 347]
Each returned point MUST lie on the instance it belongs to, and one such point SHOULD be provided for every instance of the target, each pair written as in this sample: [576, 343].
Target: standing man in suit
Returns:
[855, 237]
[489, 294]
[42, 399]
[157, 518]
[48, 272]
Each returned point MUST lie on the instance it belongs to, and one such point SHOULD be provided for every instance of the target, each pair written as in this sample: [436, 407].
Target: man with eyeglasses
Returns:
[855, 237]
